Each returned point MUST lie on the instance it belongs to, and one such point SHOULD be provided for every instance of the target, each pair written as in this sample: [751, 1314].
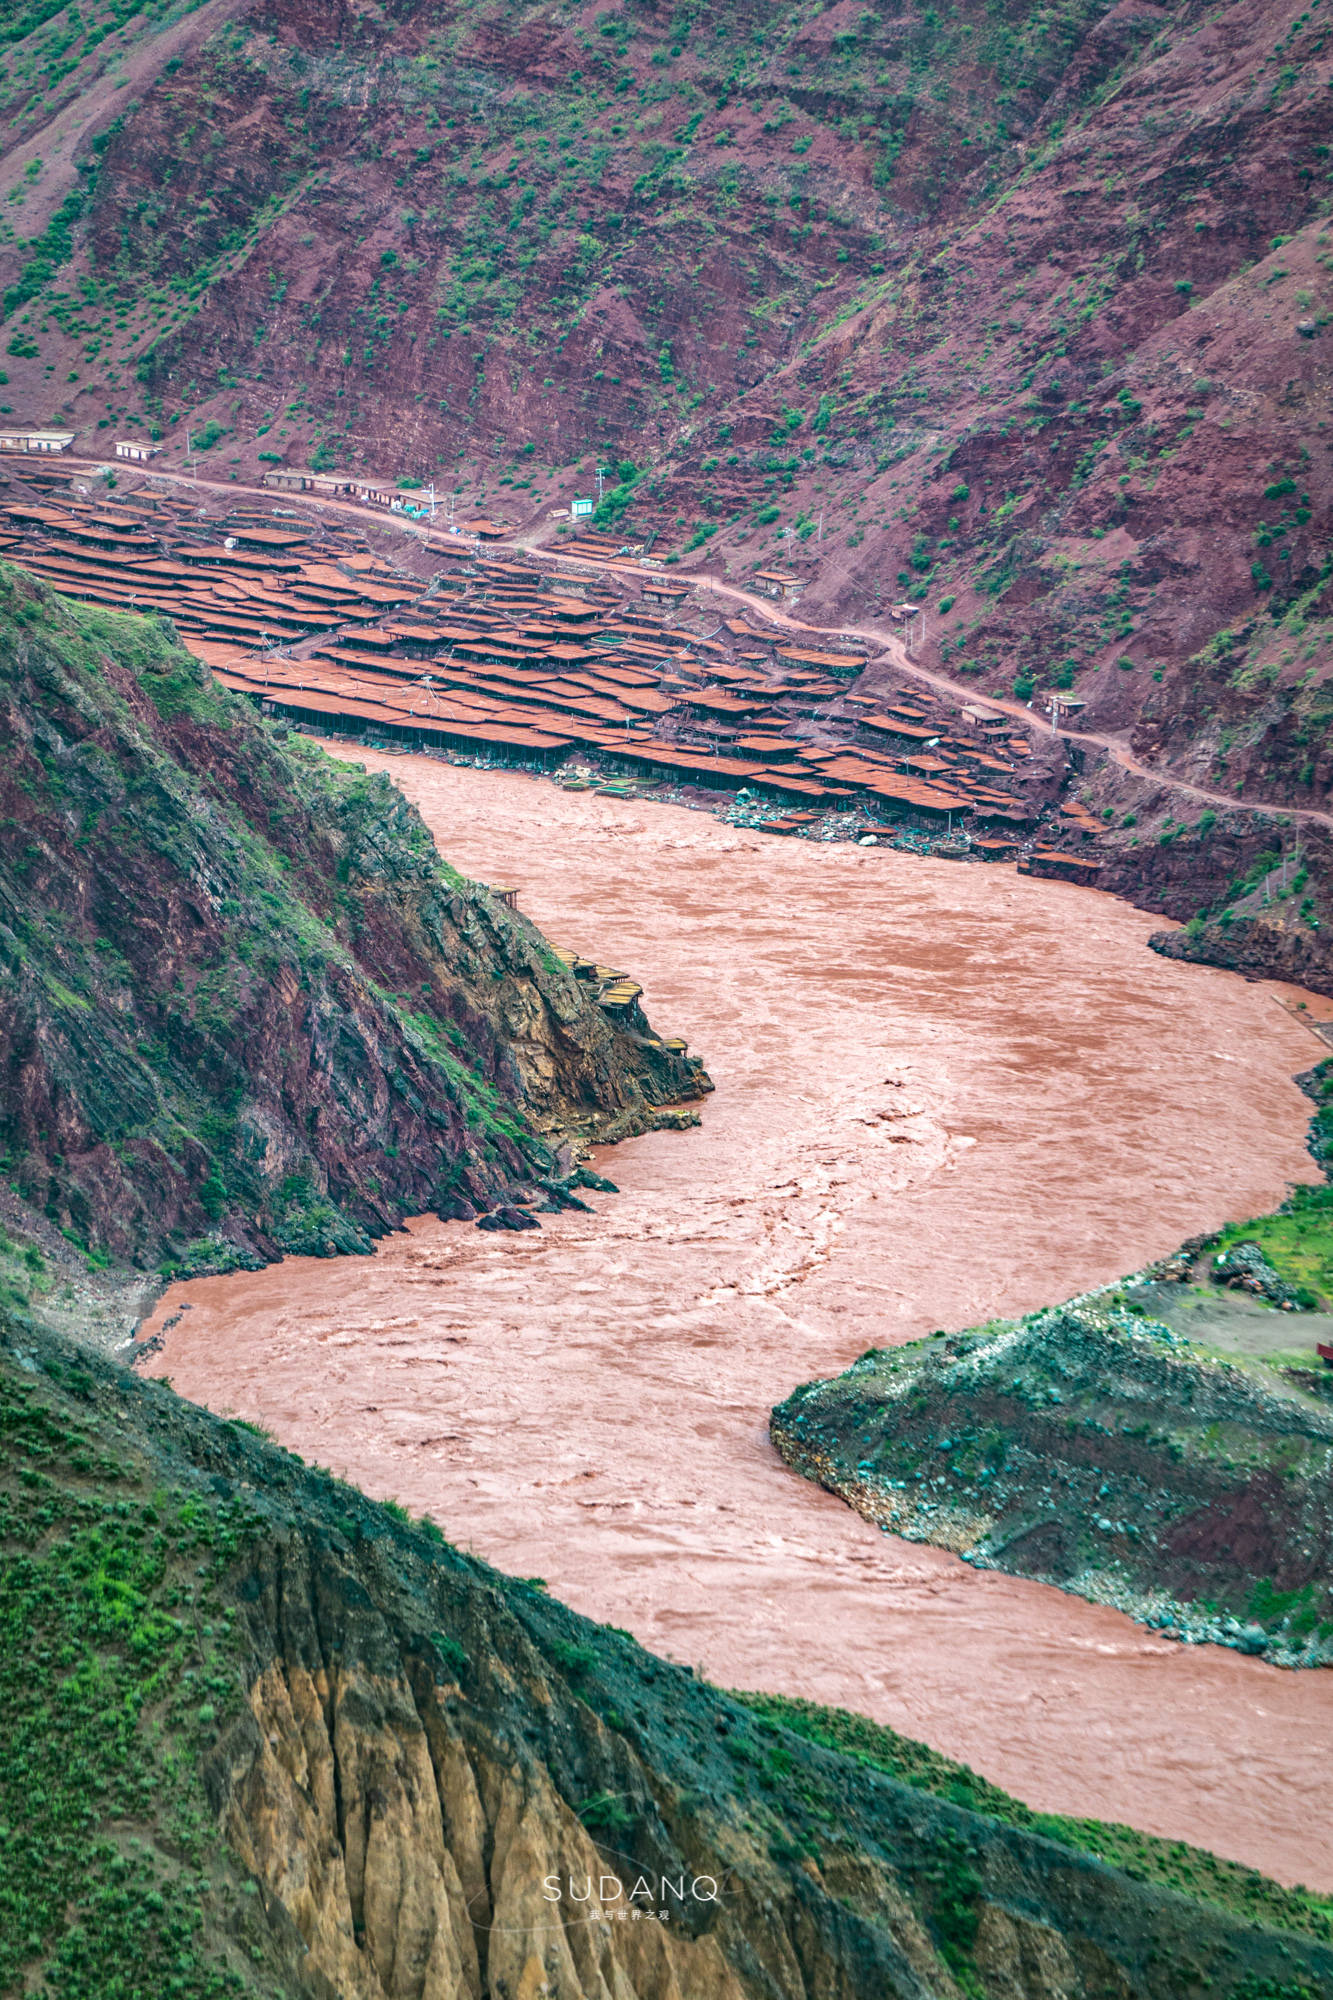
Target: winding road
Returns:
[1114, 746]
[525, 538]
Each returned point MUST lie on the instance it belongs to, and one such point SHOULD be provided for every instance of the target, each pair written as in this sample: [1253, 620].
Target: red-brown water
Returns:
[943, 1093]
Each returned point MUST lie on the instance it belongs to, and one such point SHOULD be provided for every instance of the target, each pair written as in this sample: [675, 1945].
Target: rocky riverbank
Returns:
[1163, 1445]
[1092, 1447]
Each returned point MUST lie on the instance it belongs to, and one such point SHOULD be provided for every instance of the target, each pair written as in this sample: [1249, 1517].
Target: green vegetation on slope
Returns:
[1172, 1864]
[118, 1667]
[248, 1008]
[168, 1585]
[1296, 1239]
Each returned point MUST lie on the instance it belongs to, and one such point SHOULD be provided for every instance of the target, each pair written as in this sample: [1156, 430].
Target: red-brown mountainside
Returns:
[245, 1007]
[1021, 312]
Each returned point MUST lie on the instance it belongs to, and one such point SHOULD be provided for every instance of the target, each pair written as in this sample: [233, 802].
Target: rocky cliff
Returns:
[246, 1007]
[262, 1736]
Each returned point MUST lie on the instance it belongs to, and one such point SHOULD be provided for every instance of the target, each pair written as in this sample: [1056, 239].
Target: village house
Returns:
[36, 441]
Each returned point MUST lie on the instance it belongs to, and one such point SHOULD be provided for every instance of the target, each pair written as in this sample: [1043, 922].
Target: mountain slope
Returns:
[246, 1006]
[263, 1736]
[1023, 314]
[1092, 1447]
[1027, 309]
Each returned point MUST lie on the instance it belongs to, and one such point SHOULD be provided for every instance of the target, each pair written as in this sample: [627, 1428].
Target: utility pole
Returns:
[601, 481]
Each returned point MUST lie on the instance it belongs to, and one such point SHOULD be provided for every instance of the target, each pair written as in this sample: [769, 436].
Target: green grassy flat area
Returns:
[1297, 1240]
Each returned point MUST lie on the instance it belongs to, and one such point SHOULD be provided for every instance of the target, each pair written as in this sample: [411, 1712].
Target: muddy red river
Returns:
[943, 1093]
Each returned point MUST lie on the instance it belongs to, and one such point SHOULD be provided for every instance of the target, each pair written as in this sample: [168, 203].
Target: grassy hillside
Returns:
[1170, 1864]
[263, 1736]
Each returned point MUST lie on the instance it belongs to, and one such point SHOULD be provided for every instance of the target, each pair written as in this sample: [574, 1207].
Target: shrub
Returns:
[573, 1661]
[604, 1813]
[453, 1655]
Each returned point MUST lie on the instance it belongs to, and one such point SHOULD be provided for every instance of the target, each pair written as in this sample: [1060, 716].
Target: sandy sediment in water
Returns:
[943, 1092]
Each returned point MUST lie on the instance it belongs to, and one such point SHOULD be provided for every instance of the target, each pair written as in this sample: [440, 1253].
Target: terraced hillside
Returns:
[1020, 311]
[531, 661]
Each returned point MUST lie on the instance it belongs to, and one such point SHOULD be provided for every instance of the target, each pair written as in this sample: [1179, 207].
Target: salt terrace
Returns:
[508, 658]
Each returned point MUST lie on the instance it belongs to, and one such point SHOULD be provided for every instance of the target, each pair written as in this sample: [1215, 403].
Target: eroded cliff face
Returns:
[352, 1762]
[247, 1007]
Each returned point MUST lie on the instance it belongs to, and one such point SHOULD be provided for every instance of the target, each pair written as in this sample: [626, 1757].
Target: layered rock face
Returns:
[247, 1007]
[354, 1762]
